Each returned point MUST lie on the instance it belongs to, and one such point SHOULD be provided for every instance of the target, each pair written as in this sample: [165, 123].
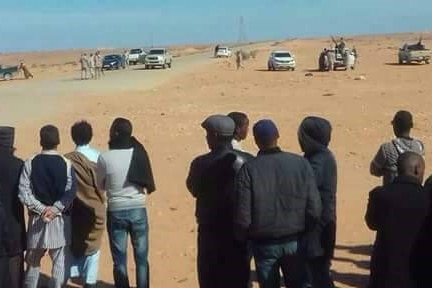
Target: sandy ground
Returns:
[167, 108]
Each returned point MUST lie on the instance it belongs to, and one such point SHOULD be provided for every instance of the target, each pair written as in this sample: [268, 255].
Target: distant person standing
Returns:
[88, 210]
[314, 137]
[241, 129]
[125, 59]
[47, 188]
[84, 61]
[12, 223]
[91, 61]
[384, 162]
[98, 65]
[397, 213]
[239, 60]
[277, 201]
[125, 173]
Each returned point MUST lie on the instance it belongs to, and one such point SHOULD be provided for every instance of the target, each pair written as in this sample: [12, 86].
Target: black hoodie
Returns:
[314, 136]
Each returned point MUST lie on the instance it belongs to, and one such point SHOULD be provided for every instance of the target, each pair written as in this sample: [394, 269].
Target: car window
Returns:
[282, 55]
[136, 51]
[157, 52]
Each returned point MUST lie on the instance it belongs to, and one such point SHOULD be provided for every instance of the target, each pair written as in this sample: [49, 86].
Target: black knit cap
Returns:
[7, 137]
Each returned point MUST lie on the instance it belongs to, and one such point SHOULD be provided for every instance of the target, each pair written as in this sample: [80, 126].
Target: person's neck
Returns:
[404, 135]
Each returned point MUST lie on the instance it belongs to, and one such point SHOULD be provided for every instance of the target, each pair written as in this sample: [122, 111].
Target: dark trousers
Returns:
[12, 271]
[319, 268]
[222, 261]
[273, 256]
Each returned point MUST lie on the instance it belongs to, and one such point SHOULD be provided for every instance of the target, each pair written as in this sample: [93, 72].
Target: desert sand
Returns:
[167, 108]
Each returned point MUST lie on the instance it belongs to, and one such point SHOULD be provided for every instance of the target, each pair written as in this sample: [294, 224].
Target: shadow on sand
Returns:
[44, 282]
[405, 64]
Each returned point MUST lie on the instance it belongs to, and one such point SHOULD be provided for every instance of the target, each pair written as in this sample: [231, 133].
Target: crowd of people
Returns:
[70, 200]
[91, 66]
[276, 207]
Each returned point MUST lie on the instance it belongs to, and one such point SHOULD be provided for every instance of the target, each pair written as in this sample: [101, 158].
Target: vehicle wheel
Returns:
[293, 69]
[427, 61]
[7, 76]
[164, 66]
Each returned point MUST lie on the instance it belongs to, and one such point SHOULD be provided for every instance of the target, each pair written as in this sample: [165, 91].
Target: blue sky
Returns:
[63, 24]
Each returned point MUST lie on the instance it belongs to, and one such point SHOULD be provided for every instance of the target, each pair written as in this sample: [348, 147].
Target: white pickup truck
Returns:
[414, 53]
[223, 52]
[136, 56]
[158, 57]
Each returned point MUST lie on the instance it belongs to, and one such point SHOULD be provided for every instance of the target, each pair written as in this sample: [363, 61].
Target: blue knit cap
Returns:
[265, 130]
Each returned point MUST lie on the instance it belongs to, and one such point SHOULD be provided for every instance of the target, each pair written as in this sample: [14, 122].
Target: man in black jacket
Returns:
[277, 201]
[222, 261]
[314, 136]
[12, 225]
[397, 212]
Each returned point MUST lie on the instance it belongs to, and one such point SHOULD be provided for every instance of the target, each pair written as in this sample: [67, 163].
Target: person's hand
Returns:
[49, 214]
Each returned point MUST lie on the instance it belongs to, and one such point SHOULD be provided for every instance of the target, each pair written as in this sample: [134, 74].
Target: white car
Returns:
[158, 57]
[136, 56]
[281, 60]
[224, 52]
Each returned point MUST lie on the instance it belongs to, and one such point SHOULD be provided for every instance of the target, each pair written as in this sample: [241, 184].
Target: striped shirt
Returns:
[57, 233]
[385, 161]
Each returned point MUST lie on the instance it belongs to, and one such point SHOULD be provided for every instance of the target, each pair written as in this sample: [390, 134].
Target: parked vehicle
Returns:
[223, 52]
[136, 56]
[414, 53]
[111, 62]
[281, 60]
[344, 60]
[158, 57]
[7, 73]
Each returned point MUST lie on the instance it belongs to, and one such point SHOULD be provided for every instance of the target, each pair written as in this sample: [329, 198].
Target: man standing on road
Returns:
[98, 65]
[397, 212]
[84, 66]
[47, 188]
[384, 162]
[241, 129]
[222, 261]
[91, 61]
[314, 136]
[88, 210]
[12, 225]
[125, 173]
[277, 201]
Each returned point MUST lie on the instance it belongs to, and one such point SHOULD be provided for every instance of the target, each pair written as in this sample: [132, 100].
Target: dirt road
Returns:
[43, 97]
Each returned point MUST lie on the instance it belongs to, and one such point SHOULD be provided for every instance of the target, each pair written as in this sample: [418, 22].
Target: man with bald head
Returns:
[396, 212]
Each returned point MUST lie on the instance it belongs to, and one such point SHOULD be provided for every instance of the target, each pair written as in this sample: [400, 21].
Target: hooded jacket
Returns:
[314, 136]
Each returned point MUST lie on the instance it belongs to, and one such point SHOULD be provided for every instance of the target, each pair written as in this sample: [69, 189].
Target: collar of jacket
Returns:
[273, 150]
[49, 152]
[407, 180]
[222, 147]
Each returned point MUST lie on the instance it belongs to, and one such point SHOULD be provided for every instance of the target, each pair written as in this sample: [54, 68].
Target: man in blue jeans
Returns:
[277, 201]
[126, 175]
